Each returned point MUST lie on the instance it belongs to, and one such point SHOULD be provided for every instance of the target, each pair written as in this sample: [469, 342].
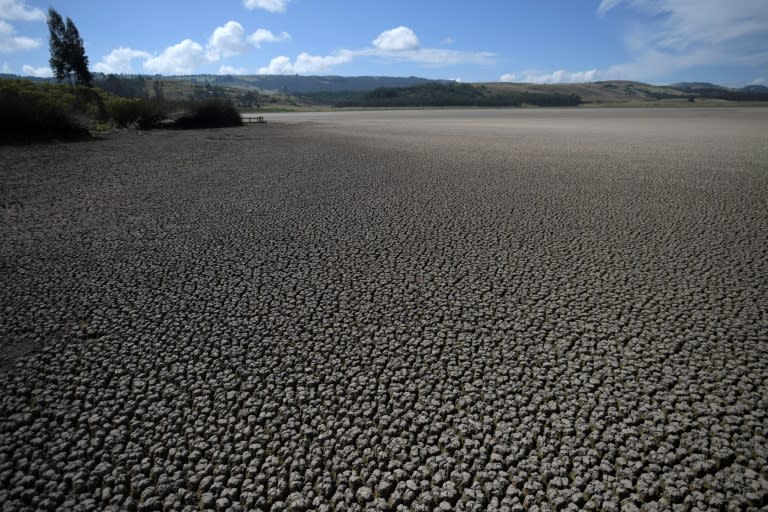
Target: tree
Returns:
[68, 60]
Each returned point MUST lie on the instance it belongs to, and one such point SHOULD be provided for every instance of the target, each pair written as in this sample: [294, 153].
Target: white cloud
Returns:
[607, 5]
[267, 5]
[433, 56]
[10, 42]
[758, 81]
[182, 58]
[265, 36]
[119, 60]
[17, 10]
[674, 35]
[304, 64]
[653, 63]
[401, 43]
[556, 77]
[227, 40]
[447, 41]
[230, 40]
[179, 59]
[397, 39]
[231, 70]
[41, 72]
[6, 68]
[398, 44]
[281, 65]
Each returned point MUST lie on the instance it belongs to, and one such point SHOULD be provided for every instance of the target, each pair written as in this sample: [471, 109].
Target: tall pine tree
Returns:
[68, 60]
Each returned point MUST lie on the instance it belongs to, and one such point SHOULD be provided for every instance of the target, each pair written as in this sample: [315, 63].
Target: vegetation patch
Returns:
[35, 112]
[452, 94]
[148, 114]
[39, 112]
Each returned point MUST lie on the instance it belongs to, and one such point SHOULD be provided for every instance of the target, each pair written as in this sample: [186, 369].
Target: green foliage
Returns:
[141, 113]
[68, 60]
[454, 94]
[125, 87]
[33, 112]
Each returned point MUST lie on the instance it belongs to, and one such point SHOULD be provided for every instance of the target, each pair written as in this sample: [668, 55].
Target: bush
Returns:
[141, 113]
[209, 114]
[154, 113]
[38, 112]
[33, 113]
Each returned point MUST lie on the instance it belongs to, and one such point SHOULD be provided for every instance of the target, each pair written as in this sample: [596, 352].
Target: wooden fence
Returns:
[253, 119]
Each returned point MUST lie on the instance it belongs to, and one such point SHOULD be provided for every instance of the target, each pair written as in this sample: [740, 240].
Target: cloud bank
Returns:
[666, 37]
[304, 64]
[265, 36]
[560, 76]
[675, 35]
[120, 61]
[41, 72]
[179, 59]
[17, 10]
[231, 70]
[10, 42]
[267, 5]
[397, 44]
[185, 57]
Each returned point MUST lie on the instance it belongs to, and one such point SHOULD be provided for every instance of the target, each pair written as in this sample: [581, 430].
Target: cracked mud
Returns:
[437, 310]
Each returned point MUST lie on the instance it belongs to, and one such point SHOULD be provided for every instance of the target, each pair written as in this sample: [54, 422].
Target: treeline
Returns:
[451, 94]
[732, 95]
[123, 86]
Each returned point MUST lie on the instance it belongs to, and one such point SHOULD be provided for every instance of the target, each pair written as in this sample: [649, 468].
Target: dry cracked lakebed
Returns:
[430, 310]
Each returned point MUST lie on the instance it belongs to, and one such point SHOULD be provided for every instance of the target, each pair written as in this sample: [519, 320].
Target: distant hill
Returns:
[638, 93]
[613, 91]
[305, 84]
[755, 88]
[11, 76]
[295, 91]
[446, 94]
[693, 86]
[718, 92]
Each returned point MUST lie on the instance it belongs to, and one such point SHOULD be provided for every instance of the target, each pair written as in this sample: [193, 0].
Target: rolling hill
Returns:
[295, 91]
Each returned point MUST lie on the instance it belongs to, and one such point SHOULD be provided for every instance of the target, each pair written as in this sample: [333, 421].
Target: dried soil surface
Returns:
[435, 310]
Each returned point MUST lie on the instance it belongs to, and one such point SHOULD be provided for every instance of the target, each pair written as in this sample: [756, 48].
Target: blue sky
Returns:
[656, 41]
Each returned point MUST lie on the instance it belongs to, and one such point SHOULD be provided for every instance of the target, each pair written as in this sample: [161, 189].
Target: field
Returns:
[518, 309]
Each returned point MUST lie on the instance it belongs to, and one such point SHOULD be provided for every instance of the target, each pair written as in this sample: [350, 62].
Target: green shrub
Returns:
[211, 113]
[141, 113]
[46, 111]
[34, 113]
